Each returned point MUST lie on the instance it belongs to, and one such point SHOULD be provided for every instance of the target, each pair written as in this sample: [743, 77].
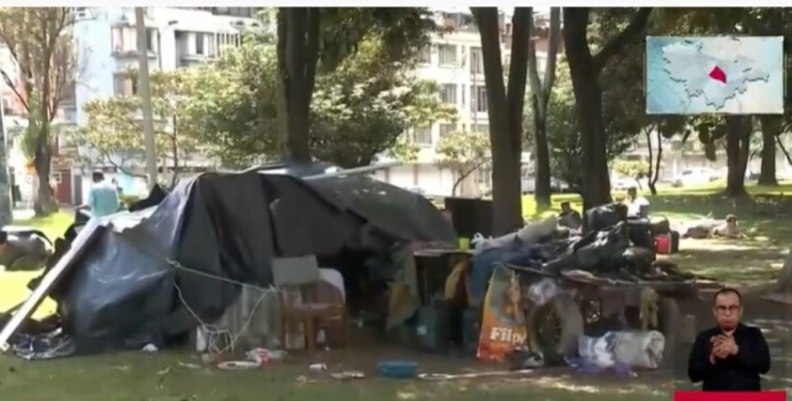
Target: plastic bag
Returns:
[542, 292]
[640, 349]
[598, 351]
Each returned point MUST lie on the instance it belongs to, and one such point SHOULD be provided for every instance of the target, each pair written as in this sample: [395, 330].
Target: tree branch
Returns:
[617, 43]
[13, 87]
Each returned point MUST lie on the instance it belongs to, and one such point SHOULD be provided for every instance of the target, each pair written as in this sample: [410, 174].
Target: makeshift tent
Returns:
[129, 277]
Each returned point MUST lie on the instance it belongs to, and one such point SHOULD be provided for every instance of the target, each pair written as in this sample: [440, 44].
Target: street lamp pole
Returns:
[144, 91]
[6, 211]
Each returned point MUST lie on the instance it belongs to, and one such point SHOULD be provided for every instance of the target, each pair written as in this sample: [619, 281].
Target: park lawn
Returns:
[14, 284]
[135, 376]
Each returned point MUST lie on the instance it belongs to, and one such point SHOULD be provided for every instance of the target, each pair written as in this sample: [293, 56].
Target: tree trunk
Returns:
[540, 98]
[6, 203]
[505, 110]
[588, 98]
[298, 45]
[656, 174]
[542, 188]
[771, 128]
[584, 69]
[44, 204]
[738, 136]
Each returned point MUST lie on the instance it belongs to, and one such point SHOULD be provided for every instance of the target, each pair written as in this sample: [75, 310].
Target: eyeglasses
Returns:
[728, 309]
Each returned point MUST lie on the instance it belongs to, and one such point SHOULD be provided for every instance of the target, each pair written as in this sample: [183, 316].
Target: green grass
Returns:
[14, 284]
[135, 376]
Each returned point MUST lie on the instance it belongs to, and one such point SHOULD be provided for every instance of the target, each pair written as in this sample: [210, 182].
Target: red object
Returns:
[662, 244]
[729, 396]
[718, 74]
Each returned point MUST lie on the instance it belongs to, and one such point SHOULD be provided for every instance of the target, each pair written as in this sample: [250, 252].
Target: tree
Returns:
[40, 43]
[660, 127]
[363, 107]
[505, 111]
[310, 39]
[623, 115]
[359, 109]
[464, 153]
[631, 168]
[585, 69]
[112, 134]
[540, 98]
[735, 130]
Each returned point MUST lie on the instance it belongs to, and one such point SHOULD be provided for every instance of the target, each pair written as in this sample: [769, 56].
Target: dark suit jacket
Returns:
[735, 373]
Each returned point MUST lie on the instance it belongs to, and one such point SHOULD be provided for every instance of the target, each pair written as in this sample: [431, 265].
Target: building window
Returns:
[448, 54]
[448, 93]
[124, 85]
[447, 129]
[425, 56]
[199, 44]
[124, 39]
[476, 60]
[422, 135]
[151, 40]
[478, 99]
[244, 12]
[481, 128]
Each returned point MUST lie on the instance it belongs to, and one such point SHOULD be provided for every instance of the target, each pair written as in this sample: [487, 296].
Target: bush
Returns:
[127, 200]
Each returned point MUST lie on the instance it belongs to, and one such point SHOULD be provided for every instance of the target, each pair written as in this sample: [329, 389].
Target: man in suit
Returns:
[731, 355]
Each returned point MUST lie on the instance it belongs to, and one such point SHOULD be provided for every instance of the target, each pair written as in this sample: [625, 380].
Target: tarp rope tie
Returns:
[215, 333]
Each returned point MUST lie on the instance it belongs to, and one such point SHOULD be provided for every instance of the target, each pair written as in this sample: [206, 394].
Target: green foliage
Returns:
[464, 152]
[359, 109]
[631, 168]
[235, 113]
[363, 106]
[113, 133]
[564, 138]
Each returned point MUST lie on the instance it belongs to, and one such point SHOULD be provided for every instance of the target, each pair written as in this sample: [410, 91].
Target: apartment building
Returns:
[454, 60]
[10, 102]
[177, 37]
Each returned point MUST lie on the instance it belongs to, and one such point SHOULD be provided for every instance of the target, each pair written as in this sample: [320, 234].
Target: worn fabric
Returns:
[103, 199]
[735, 373]
[404, 297]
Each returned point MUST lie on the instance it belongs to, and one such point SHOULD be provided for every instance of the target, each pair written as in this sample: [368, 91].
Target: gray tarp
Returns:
[121, 292]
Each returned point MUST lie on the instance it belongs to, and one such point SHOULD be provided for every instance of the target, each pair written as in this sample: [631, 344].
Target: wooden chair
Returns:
[319, 303]
[313, 313]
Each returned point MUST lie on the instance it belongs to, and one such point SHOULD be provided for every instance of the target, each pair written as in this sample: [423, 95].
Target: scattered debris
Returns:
[263, 356]
[348, 375]
[237, 365]
[189, 365]
[150, 348]
[318, 367]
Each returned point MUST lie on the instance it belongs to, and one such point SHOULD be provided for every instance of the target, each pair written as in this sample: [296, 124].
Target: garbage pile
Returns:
[612, 246]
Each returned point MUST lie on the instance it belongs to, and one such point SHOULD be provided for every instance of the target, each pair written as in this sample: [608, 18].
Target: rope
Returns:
[216, 333]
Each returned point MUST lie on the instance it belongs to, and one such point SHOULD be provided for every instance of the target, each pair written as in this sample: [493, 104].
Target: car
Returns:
[624, 183]
[694, 176]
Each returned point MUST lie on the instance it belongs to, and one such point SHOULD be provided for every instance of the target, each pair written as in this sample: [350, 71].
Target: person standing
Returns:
[730, 356]
[103, 198]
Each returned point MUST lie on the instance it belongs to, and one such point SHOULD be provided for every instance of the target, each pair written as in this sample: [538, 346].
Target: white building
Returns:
[455, 62]
[106, 40]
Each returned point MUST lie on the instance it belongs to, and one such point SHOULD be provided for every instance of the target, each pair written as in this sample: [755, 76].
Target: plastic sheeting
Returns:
[218, 228]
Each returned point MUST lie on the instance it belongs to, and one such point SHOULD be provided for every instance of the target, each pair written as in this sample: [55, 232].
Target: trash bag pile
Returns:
[611, 246]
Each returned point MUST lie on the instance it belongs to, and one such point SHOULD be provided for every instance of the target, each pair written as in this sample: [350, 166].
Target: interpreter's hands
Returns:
[723, 346]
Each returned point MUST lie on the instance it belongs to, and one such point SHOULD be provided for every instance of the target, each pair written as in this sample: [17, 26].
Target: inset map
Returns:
[722, 74]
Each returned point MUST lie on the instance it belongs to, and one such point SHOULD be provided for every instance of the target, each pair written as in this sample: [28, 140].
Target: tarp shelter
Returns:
[120, 279]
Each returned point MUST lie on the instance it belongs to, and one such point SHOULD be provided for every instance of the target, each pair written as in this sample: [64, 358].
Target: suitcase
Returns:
[674, 241]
